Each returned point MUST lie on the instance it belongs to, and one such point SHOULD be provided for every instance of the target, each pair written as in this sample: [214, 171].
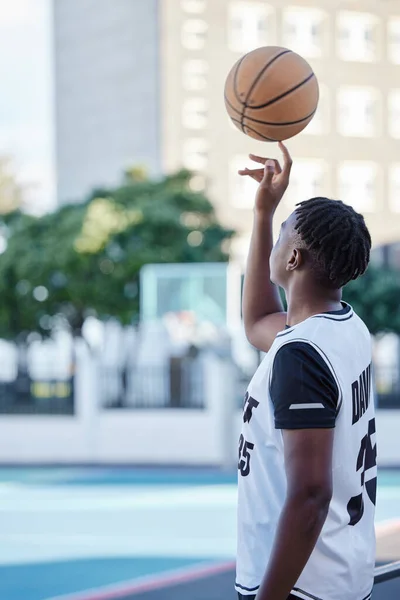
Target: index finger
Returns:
[262, 160]
[259, 159]
[287, 159]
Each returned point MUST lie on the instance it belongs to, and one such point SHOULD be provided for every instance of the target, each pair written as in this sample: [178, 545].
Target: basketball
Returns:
[271, 94]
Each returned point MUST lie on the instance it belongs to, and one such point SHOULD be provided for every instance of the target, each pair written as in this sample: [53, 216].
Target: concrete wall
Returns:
[106, 61]
[95, 435]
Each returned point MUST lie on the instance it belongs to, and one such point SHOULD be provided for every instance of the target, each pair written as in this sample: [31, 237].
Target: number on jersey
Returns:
[366, 460]
[244, 456]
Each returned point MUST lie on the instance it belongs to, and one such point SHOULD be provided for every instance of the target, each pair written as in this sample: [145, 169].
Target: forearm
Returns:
[260, 296]
[299, 527]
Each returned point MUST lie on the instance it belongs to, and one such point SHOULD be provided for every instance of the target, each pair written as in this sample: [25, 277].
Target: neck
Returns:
[304, 304]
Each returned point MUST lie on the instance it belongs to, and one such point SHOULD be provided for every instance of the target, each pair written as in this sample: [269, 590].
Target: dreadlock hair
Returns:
[336, 239]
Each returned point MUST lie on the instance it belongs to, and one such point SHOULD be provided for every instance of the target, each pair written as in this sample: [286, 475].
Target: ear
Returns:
[295, 260]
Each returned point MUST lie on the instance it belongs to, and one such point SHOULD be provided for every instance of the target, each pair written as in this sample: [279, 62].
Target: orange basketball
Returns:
[271, 94]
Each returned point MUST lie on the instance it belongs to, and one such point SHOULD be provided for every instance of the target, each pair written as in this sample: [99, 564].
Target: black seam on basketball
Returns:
[258, 77]
[261, 73]
[231, 106]
[293, 89]
[283, 124]
[235, 79]
[264, 137]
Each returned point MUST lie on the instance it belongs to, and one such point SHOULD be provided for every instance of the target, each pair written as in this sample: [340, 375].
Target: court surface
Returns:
[136, 533]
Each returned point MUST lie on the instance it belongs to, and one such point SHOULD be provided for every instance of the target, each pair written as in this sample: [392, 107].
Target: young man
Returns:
[307, 452]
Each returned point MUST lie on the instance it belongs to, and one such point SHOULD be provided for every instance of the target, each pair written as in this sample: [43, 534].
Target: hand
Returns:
[273, 180]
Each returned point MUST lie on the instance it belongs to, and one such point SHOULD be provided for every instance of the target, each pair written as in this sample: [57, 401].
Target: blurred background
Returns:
[124, 230]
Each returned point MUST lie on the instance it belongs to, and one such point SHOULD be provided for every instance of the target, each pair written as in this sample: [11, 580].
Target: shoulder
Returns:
[304, 354]
[303, 386]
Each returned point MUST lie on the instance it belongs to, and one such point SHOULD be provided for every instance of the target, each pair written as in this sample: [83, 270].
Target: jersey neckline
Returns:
[346, 308]
[343, 314]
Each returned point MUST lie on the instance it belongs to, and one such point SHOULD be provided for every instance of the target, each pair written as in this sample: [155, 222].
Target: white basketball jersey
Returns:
[342, 563]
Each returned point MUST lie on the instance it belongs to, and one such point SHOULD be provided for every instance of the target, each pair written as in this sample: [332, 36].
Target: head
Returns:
[324, 243]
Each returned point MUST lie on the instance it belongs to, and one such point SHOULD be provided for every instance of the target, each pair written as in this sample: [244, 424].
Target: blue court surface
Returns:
[130, 533]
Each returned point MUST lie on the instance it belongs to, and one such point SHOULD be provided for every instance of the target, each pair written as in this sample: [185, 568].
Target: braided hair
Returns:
[336, 239]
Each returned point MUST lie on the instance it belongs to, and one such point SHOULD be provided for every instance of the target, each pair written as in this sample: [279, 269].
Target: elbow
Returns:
[309, 509]
[252, 332]
[249, 332]
[312, 499]
[250, 336]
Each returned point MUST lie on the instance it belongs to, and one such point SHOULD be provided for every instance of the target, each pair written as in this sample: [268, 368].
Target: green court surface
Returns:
[130, 533]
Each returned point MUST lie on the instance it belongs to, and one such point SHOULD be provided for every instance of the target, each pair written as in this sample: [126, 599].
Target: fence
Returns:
[171, 383]
[388, 387]
[179, 384]
[28, 396]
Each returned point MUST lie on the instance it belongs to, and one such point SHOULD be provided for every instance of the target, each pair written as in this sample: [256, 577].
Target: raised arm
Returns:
[262, 307]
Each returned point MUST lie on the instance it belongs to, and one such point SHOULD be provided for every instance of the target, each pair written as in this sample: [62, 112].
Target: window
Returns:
[195, 113]
[303, 31]
[242, 189]
[194, 32]
[394, 113]
[394, 40]
[394, 187]
[195, 154]
[358, 183]
[194, 74]
[193, 6]
[307, 180]
[320, 123]
[357, 36]
[358, 111]
[250, 26]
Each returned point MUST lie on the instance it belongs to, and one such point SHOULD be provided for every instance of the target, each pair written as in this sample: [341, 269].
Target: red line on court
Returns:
[149, 583]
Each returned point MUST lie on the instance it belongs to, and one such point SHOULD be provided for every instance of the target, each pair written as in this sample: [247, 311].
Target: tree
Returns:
[85, 259]
[11, 191]
[375, 297]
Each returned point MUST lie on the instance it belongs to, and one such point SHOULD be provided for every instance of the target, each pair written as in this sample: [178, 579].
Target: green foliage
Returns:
[85, 259]
[375, 297]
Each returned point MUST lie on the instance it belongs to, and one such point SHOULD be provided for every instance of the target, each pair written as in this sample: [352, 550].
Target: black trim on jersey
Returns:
[307, 594]
[296, 589]
[288, 330]
[254, 589]
[343, 311]
[303, 389]
[332, 319]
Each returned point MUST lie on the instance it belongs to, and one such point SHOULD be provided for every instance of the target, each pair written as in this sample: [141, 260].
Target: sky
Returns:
[26, 96]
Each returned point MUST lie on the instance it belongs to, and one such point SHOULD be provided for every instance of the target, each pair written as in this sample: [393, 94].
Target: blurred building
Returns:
[107, 91]
[142, 82]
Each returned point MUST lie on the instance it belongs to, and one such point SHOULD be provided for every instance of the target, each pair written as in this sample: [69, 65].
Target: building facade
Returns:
[351, 149]
[107, 96]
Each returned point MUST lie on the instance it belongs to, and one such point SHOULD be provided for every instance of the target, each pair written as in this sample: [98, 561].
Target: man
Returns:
[307, 452]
